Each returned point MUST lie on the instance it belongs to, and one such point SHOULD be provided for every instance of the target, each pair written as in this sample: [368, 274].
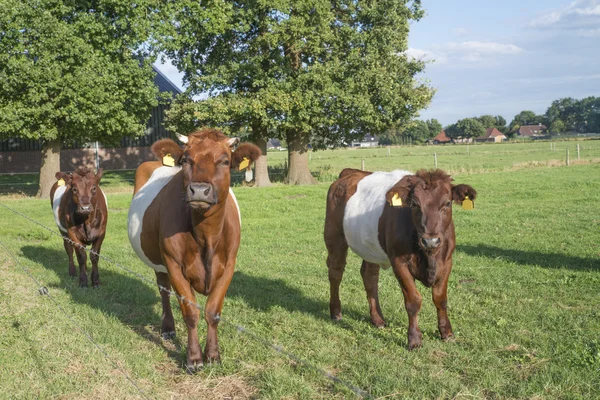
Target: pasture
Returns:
[524, 295]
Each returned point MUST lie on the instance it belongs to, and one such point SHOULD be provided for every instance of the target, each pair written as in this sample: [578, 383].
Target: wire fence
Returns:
[241, 329]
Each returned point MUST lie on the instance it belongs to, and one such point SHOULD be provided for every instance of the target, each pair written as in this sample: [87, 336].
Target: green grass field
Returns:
[524, 296]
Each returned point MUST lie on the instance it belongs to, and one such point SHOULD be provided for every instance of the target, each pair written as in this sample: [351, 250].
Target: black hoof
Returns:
[168, 335]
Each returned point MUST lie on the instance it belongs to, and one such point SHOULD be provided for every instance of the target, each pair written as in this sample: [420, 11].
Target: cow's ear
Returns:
[64, 176]
[398, 195]
[162, 147]
[460, 193]
[244, 155]
[99, 174]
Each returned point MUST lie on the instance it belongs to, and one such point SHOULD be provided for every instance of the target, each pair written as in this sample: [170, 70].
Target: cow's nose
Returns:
[204, 192]
[87, 208]
[430, 243]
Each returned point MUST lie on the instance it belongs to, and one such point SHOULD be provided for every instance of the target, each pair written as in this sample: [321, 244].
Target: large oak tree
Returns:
[74, 71]
[316, 72]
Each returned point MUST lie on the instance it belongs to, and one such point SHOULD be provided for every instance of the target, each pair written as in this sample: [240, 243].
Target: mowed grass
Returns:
[524, 300]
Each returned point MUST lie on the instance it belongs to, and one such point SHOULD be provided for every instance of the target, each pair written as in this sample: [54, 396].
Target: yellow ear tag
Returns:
[245, 163]
[468, 204]
[396, 201]
[61, 182]
[168, 160]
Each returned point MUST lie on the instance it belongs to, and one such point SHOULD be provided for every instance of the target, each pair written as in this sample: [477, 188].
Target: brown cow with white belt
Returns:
[396, 219]
[81, 213]
[184, 222]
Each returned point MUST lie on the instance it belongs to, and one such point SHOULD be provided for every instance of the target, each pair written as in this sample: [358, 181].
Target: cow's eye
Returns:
[93, 188]
[449, 204]
[224, 163]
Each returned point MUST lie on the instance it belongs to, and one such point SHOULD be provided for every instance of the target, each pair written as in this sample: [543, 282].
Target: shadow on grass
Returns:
[544, 260]
[121, 296]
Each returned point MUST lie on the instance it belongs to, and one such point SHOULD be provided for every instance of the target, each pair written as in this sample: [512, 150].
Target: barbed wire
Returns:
[241, 329]
[43, 290]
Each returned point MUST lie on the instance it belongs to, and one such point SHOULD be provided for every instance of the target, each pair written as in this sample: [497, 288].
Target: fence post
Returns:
[578, 151]
[97, 158]
[567, 157]
[468, 150]
[309, 155]
[435, 159]
[362, 165]
[550, 146]
[389, 150]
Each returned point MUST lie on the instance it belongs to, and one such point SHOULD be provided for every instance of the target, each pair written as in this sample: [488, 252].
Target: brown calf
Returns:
[184, 222]
[81, 213]
[396, 219]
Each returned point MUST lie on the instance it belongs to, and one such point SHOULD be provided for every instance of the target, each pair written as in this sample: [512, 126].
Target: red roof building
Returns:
[491, 135]
[532, 130]
[441, 138]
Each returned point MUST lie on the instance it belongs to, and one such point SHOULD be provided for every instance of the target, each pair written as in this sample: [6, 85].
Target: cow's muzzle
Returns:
[85, 210]
[201, 195]
[430, 243]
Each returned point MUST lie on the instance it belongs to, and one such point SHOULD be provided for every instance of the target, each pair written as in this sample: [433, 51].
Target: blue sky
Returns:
[502, 57]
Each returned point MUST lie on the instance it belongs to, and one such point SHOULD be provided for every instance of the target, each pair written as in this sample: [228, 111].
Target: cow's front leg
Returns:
[94, 256]
[69, 249]
[190, 312]
[412, 303]
[440, 299]
[82, 260]
[212, 313]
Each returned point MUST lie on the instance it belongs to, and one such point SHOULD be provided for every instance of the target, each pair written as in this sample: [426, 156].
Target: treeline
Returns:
[563, 116]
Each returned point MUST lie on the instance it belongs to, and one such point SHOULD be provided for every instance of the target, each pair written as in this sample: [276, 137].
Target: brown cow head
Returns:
[206, 159]
[430, 194]
[84, 187]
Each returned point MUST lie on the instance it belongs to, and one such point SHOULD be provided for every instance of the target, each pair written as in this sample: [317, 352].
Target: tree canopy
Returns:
[466, 128]
[310, 71]
[74, 71]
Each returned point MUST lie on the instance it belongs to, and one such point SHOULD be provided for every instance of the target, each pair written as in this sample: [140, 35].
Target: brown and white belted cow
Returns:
[184, 222]
[396, 219]
[81, 213]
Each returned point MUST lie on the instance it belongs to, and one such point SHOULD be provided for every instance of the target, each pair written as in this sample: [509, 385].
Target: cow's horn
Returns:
[182, 138]
[233, 141]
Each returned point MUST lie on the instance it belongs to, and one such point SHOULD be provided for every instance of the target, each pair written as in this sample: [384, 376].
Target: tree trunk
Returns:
[260, 166]
[298, 172]
[50, 166]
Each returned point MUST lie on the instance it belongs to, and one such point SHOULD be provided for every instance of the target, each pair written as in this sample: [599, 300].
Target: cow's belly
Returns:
[362, 213]
[140, 203]
[58, 194]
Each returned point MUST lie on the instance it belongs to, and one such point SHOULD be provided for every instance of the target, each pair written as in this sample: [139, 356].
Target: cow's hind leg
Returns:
[69, 249]
[94, 257]
[337, 249]
[212, 314]
[167, 327]
[370, 276]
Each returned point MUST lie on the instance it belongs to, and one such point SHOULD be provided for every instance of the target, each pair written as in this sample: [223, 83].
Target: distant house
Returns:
[367, 141]
[274, 144]
[491, 135]
[440, 138]
[532, 130]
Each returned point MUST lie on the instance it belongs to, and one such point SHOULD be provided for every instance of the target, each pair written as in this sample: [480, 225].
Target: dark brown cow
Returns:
[81, 213]
[184, 222]
[400, 219]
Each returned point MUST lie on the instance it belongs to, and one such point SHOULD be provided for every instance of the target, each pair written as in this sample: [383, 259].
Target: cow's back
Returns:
[362, 214]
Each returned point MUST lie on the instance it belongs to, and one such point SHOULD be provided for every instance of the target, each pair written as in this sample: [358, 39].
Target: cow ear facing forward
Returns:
[164, 147]
[462, 192]
[64, 177]
[398, 195]
[244, 155]
[99, 174]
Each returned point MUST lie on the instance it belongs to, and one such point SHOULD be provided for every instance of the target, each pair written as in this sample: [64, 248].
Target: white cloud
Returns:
[424, 55]
[479, 48]
[581, 16]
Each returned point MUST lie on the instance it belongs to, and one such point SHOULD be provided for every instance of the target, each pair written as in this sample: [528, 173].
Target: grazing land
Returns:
[524, 296]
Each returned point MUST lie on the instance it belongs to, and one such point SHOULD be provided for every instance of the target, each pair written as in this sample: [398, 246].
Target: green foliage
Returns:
[576, 115]
[331, 71]
[466, 128]
[73, 70]
[526, 118]
[490, 121]
[434, 127]
[557, 126]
